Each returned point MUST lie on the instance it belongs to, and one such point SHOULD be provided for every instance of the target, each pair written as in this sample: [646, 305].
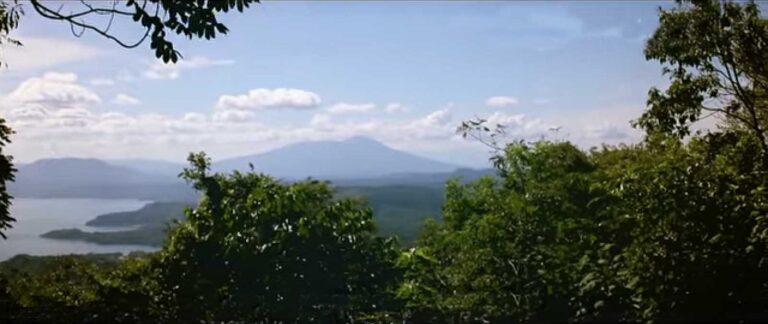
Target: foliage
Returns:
[6, 175]
[255, 249]
[716, 55]
[71, 289]
[684, 242]
[508, 248]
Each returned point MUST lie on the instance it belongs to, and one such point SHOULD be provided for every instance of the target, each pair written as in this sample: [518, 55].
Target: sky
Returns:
[404, 73]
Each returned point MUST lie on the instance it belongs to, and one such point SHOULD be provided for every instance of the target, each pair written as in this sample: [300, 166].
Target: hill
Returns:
[156, 213]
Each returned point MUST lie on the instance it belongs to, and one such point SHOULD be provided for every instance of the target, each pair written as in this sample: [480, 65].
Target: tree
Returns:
[508, 250]
[258, 250]
[77, 289]
[6, 175]
[716, 55]
[694, 213]
[682, 240]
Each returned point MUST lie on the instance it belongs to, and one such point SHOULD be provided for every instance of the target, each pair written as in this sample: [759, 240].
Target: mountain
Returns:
[357, 161]
[92, 178]
[151, 167]
[357, 157]
[78, 172]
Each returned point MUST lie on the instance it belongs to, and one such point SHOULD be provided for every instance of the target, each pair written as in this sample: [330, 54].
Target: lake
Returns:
[37, 216]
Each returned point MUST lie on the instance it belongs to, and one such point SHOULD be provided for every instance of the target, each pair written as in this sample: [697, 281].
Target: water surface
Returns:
[37, 216]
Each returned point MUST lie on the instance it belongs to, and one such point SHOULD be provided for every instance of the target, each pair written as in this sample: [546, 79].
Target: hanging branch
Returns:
[73, 20]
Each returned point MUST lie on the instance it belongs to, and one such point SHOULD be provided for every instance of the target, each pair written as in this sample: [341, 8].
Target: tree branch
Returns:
[55, 15]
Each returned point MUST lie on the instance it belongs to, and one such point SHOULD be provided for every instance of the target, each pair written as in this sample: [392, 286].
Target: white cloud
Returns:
[501, 101]
[44, 52]
[270, 98]
[438, 118]
[66, 126]
[166, 71]
[232, 115]
[436, 125]
[194, 117]
[73, 113]
[321, 122]
[520, 126]
[350, 108]
[53, 90]
[122, 99]
[27, 113]
[395, 107]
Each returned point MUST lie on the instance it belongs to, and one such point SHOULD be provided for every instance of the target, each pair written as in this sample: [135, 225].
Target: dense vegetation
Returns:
[674, 228]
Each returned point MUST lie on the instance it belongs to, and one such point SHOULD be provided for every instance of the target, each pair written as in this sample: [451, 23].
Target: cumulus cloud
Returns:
[321, 122]
[54, 91]
[350, 108]
[261, 98]
[520, 126]
[194, 117]
[437, 118]
[122, 99]
[162, 71]
[66, 126]
[232, 116]
[501, 101]
[436, 125]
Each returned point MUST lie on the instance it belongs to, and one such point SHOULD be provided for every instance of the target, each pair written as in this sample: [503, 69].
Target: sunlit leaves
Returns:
[274, 251]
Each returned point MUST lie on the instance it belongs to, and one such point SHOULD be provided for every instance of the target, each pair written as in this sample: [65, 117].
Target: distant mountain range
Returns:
[357, 157]
[356, 161]
[151, 167]
[92, 178]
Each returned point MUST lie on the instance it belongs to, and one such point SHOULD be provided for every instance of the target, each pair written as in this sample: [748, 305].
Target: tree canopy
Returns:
[716, 56]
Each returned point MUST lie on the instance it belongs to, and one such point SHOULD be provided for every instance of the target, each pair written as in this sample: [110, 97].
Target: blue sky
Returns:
[405, 73]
